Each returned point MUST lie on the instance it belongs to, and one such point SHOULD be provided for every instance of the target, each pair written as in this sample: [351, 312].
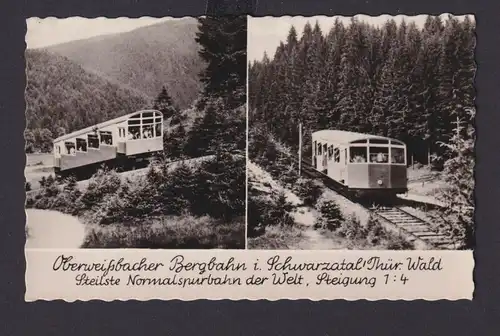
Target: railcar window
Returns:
[70, 147]
[315, 148]
[358, 154]
[325, 148]
[359, 141]
[319, 148]
[379, 141]
[379, 154]
[330, 152]
[158, 130]
[134, 132]
[397, 155]
[106, 138]
[93, 140]
[147, 131]
[81, 145]
[121, 132]
[146, 127]
[336, 154]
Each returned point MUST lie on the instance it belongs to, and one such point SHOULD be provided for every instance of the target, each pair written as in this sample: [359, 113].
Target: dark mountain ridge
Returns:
[62, 97]
[144, 59]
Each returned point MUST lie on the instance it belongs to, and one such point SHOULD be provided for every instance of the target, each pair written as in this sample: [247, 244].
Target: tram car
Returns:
[361, 164]
[123, 143]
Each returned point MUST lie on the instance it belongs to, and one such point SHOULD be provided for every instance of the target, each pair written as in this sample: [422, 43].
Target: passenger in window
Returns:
[381, 158]
[358, 159]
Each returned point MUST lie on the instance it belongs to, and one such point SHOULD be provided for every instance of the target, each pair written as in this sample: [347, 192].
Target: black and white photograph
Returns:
[136, 132]
[361, 132]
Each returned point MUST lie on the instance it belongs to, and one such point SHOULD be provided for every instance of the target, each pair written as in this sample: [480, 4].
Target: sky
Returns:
[266, 33]
[50, 31]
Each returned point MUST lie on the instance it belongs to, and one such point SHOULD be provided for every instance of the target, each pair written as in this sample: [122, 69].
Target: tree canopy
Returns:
[394, 80]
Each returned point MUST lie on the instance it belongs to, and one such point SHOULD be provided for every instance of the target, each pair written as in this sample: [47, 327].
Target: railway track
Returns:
[414, 227]
[408, 225]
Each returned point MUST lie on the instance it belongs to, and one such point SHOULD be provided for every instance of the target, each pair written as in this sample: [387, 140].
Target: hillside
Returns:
[60, 93]
[145, 59]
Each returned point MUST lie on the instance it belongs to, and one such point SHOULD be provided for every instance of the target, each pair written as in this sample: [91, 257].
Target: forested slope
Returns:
[62, 97]
[396, 80]
[145, 59]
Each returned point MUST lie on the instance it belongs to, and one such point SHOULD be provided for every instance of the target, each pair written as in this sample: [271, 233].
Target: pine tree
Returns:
[43, 181]
[328, 96]
[353, 80]
[458, 215]
[29, 139]
[457, 68]
[223, 42]
[164, 104]
[208, 132]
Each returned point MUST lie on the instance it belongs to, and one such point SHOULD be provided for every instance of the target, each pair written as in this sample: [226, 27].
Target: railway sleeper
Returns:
[412, 224]
[420, 231]
[402, 220]
[428, 238]
[435, 237]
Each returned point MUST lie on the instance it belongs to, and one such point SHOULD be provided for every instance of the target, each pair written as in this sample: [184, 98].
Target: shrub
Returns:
[352, 229]
[308, 190]
[399, 243]
[112, 209]
[277, 238]
[264, 211]
[220, 190]
[375, 231]
[280, 211]
[30, 202]
[330, 217]
[43, 181]
[27, 186]
[177, 118]
[103, 183]
[257, 207]
[66, 200]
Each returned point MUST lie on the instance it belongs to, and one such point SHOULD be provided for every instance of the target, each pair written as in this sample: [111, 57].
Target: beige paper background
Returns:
[454, 282]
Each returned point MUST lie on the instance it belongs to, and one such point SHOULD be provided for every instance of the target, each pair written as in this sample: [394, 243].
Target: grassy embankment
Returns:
[286, 211]
[196, 204]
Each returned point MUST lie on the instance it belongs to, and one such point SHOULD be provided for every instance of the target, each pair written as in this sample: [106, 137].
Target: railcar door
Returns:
[319, 157]
[333, 169]
[330, 167]
[342, 165]
[324, 168]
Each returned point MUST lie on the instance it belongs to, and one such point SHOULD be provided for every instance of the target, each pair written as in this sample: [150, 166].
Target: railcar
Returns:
[364, 165]
[122, 143]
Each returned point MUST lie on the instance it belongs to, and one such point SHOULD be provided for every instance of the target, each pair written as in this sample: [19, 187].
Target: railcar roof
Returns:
[100, 125]
[345, 136]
